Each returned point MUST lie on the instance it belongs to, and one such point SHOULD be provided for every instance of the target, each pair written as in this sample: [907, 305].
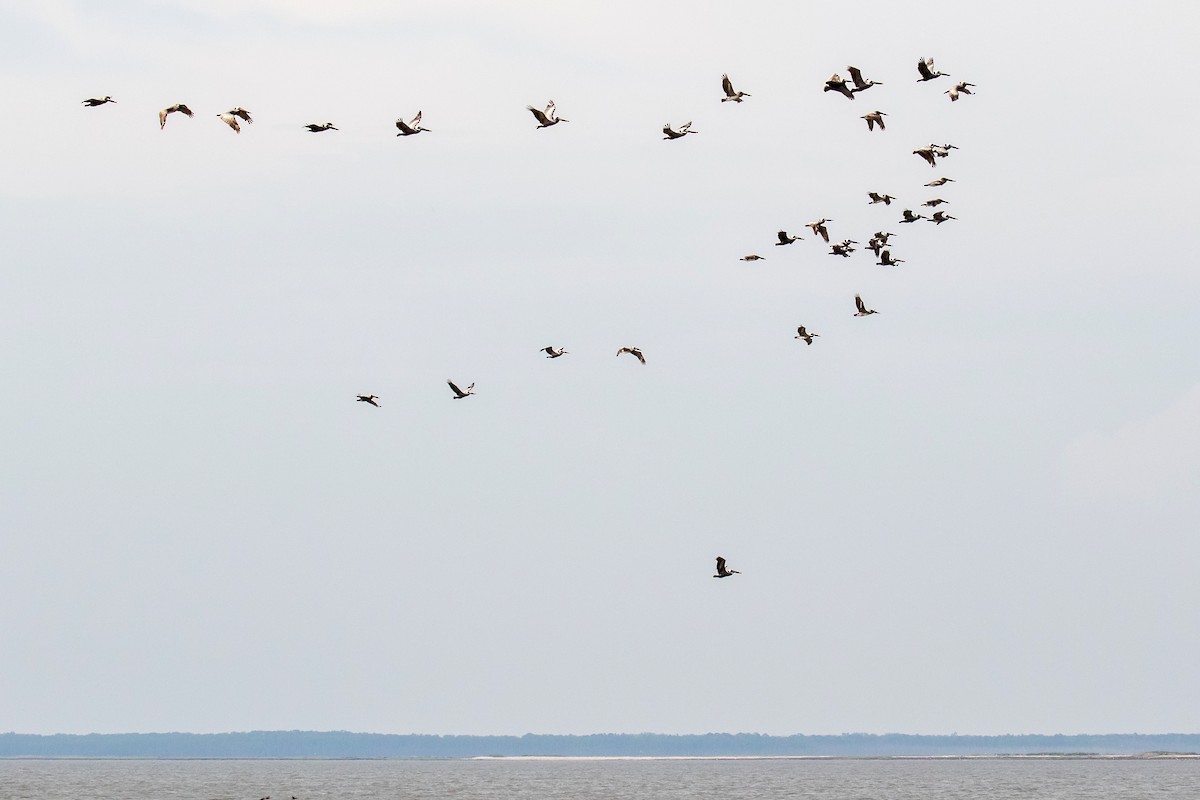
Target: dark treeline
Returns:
[342, 744]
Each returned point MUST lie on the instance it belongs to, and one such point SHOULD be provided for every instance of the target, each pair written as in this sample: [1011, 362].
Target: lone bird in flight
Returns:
[721, 571]
[935, 202]
[753, 257]
[940, 182]
[548, 117]
[862, 307]
[861, 85]
[876, 197]
[241, 113]
[162, 115]
[909, 216]
[836, 84]
[730, 94]
[928, 73]
[410, 128]
[92, 102]
[875, 118]
[886, 260]
[785, 239]
[633, 351]
[819, 229]
[553, 352]
[231, 121]
[459, 394]
[940, 216]
[928, 154]
[315, 128]
[957, 89]
[683, 131]
[369, 398]
[805, 335]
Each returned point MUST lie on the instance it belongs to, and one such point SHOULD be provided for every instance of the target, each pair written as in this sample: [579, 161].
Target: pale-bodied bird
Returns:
[876, 197]
[861, 84]
[819, 229]
[801, 333]
[684, 130]
[875, 118]
[836, 84]
[886, 260]
[942, 150]
[928, 73]
[935, 202]
[785, 239]
[369, 398]
[730, 94]
[862, 307]
[633, 351]
[957, 89]
[553, 352]
[928, 154]
[548, 117]
[752, 257]
[909, 216]
[410, 128]
[940, 182]
[721, 571]
[940, 217]
[92, 102]
[459, 394]
[162, 115]
[315, 128]
[230, 120]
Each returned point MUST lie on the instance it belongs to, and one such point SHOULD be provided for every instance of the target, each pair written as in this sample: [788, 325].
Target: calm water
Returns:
[848, 779]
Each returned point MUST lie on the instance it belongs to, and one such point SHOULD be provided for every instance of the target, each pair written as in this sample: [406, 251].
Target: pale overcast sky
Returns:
[974, 511]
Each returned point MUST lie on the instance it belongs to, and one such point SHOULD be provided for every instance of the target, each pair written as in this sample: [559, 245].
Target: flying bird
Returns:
[928, 154]
[240, 113]
[942, 150]
[548, 117]
[862, 307]
[886, 260]
[940, 182]
[92, 102]
[752, 257]
[633, 351]
[785, 239]
[410, 128]
[721, 571]
[684, 130]
[940, 217]
[861, 85]
[909, 216]
[876, 197]
[819, 229]
[805, 335]
[883, 236]
[730, 94]
[162, 115]
[957, 89]
[369, 398]
[875, 118]
[836, 84]
[928, 73]
[459, 394]
[553, 352]
[842, 249]
[230, 120]
[315, 128]
[935, 202]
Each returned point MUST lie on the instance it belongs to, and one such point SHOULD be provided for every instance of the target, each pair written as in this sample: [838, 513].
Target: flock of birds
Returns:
[547, 117]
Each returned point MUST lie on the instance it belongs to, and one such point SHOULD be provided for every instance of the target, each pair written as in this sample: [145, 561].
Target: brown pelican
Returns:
[553, 352]
[684, 130]
[240, 112]
[836, 84]
[925, 67]
[942, 150]
[935, 202]
[818, 228]
[633, 351]
[805, 335]
[909, 216]
[886, 260]
[92, 102]
[940, 182]
[459, 394]
[927, 154]
[876, 197]
[940, 217]
[162, 115]
[862, 307]
[730, 94]
[883, 236]
[875, 118]
[842, 249]
[861, 85]
[549, 116]
[409, 128]
[752, 257]
[875, 245]
[785, 239]
[957, 89]
[369, 398]
[315, 128]
[230, 120]
[721, 571]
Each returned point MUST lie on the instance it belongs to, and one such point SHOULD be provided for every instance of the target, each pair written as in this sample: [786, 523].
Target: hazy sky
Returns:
[974, 511]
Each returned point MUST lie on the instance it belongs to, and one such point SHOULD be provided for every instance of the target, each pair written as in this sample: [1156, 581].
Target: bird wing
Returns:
[923, 65]
[541, 116]
[856, 76]
[638, 355]
[182, 109]
[783, 237]
[720, 565]
[858, 301]
[457, 391]
[404, 126]
[416, 120]
[727, 85]
[162, 118]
